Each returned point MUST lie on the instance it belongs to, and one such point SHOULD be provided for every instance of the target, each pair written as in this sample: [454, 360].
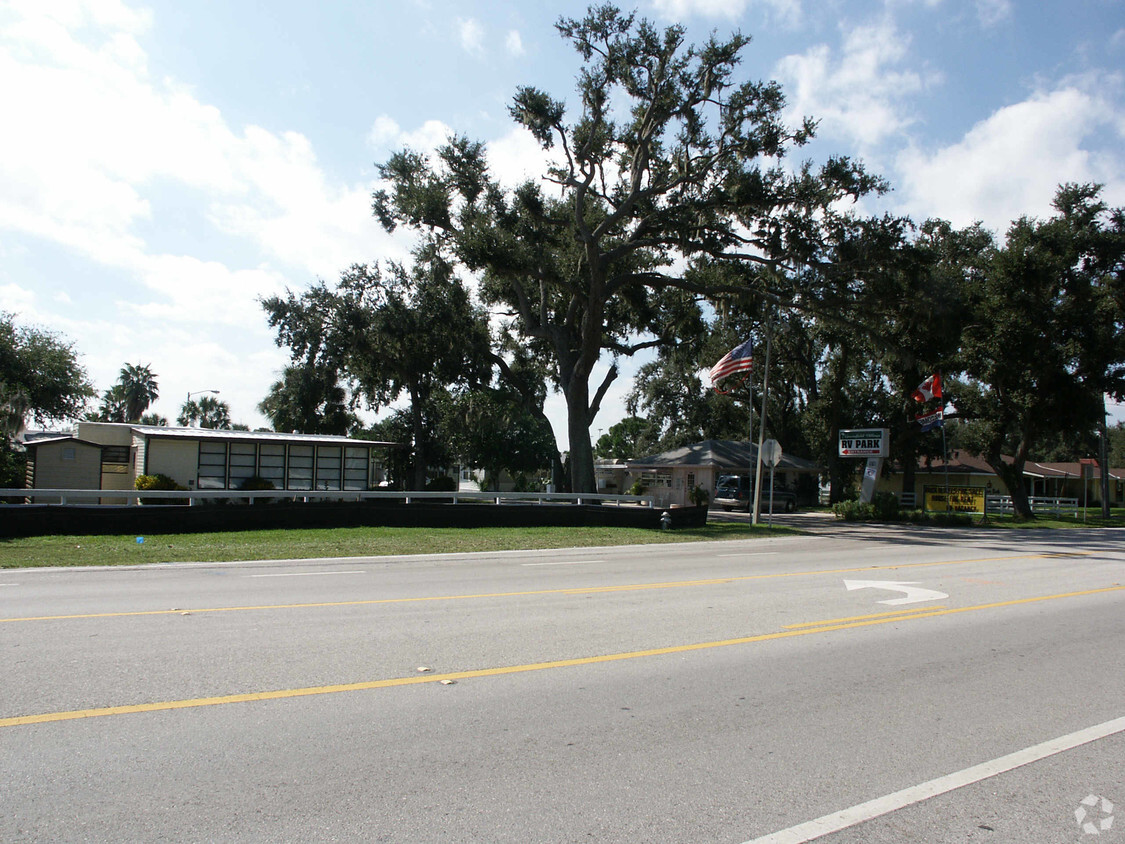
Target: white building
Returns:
[111, 455]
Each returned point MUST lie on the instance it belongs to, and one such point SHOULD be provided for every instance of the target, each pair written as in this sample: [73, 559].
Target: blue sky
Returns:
[165, 164]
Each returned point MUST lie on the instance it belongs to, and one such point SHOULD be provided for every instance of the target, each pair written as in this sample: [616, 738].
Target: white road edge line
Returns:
[306, 573]
[837, 821]
[565, 563]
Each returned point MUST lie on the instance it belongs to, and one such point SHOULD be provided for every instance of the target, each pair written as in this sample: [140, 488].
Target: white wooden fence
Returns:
[1002, 505]
[194, 497]
[997, 505]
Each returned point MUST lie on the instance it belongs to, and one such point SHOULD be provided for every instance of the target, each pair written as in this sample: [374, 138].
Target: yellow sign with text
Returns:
[954, 499]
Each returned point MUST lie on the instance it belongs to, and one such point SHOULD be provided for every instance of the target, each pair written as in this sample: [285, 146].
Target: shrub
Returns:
[159, 482]
[442, 484]
[853, 511]
[636, 489]
[885, 507]
[699, 497]
[880, 509]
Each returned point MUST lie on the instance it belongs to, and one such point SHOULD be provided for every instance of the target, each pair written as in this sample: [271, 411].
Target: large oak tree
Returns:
[666, 155]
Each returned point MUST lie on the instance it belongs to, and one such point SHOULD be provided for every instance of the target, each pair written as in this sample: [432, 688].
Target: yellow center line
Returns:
[578, 590]
[22, 720]
[861, 617]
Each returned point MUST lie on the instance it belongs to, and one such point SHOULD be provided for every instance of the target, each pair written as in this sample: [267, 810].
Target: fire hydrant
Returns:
[665, 520]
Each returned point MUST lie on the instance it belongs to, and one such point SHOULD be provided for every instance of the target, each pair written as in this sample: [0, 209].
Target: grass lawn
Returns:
[339, 542]
[1093, 519]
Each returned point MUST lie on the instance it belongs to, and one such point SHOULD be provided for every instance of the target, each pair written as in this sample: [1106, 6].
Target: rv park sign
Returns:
[865, 442]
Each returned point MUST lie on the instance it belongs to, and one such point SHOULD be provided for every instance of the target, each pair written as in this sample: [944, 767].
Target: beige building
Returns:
[63, 462]
[110, 456]
[1045, 480]
[671, 475]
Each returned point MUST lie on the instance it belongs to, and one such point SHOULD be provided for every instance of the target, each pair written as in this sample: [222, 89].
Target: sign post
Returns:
[871, 443]
[771, 456]
[762, 428]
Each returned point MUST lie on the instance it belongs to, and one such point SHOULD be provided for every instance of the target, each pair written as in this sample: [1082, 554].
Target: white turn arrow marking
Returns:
[912, 594]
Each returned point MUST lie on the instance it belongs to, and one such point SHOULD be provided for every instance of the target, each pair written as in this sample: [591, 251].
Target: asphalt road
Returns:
[718, 692]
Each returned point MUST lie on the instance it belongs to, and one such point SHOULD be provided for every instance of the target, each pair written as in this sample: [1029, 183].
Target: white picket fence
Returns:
[997, 505]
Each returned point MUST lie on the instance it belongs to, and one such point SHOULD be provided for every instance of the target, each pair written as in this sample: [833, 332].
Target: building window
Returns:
[691, 480]
[300, 467]
[212, 466]
[118, 454]
[328, 468]
[271, 463]
[356, 460]
[243, 463]
[68, 453]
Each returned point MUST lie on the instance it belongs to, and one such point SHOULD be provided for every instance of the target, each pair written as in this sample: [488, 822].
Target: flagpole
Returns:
[750, 441]
[944, 448]
[762, 429]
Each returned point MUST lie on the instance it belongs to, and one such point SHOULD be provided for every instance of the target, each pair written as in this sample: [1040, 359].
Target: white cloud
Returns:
[859, 94]
[784, 11]
[993, 12]
[74, 14]
[201, 292]
[513, 43]
[384, 132]
[471, 34]
[96, 171]
[16, 299]
[1010, 164]
[517, 156]
[387, 136]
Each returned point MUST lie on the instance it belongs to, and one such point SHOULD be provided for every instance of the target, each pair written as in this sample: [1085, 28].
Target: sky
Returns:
[164, 165]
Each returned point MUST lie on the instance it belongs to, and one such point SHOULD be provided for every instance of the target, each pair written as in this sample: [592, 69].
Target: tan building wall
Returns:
[138, 456]
[67, 465]
[105, 433]
[178, 459]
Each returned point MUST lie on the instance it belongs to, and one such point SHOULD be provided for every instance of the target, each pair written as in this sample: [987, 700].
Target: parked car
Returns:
[736, 492]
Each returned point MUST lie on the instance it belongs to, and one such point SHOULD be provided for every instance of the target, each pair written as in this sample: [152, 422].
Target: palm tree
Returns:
[208, 412]
[138, 390]
[112, 408]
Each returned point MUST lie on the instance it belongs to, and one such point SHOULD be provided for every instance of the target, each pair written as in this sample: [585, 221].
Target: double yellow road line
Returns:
[579, 590]
[792, 631]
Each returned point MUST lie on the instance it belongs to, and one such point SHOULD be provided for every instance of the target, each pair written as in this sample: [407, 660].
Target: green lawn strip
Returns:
[339, 542]
[1116, 519]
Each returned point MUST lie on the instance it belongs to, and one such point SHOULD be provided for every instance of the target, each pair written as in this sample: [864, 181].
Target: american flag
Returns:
[738, 359]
